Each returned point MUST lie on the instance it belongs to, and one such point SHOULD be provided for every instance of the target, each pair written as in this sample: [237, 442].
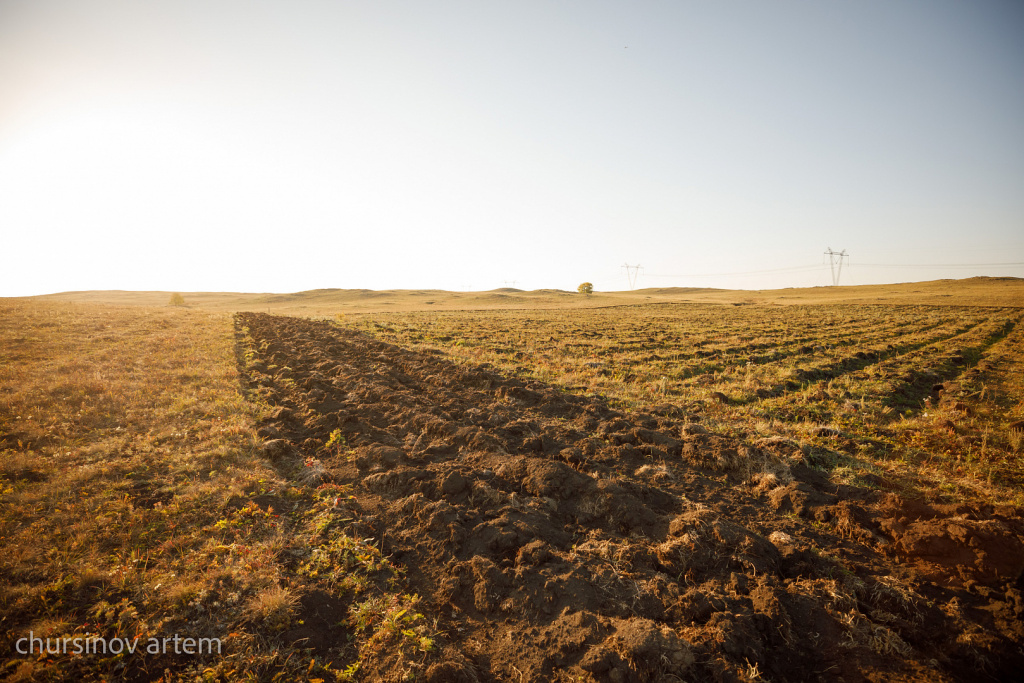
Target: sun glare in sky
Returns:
[283, 146]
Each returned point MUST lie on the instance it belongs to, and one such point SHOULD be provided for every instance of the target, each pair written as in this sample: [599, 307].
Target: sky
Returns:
[197, 145]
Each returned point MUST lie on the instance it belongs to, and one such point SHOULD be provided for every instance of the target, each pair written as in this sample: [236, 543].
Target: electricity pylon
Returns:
[835, 262]
[631, 273]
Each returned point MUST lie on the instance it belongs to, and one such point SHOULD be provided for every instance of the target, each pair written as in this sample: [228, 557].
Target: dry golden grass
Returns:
[135, 502]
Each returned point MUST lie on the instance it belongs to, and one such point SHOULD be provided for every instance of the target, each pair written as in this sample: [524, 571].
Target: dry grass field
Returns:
[132, 484]
[656, 485]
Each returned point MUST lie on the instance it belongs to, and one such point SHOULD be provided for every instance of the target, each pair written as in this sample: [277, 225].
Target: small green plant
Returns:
[336, 440]
[391, 616]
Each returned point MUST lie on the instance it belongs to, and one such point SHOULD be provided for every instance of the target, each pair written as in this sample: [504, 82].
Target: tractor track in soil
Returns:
[554, 538]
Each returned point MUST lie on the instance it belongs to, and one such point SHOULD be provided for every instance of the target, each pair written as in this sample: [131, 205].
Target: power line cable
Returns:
[851, 264]
[746, 272]
[938, 265]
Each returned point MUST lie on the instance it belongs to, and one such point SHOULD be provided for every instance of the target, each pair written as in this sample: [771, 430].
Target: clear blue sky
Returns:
[280, 146]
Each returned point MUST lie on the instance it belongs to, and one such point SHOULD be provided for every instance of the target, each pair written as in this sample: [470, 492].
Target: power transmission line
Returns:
[938, 265]
[631, 273]
[808, 268]
[835, 257]
[745, 272]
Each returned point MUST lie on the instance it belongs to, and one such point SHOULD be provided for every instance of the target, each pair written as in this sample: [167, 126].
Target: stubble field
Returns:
[663, 491]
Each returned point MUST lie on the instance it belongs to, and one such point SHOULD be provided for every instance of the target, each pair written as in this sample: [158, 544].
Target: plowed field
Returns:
[559, 533]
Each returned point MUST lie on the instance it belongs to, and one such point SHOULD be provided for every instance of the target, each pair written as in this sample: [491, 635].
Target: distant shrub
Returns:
[177, 299]
[585, 288]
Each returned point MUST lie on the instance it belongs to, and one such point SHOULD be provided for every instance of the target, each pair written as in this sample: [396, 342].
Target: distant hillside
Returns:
[976, 291]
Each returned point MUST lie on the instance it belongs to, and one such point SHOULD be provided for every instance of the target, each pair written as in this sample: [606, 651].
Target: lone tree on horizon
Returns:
[177, 299]
[585, 288]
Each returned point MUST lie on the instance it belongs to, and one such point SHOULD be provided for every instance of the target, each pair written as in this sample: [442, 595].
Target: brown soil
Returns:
[554, 538]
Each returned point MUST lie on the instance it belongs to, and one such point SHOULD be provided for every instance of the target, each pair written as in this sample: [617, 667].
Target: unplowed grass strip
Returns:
[134, 503]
